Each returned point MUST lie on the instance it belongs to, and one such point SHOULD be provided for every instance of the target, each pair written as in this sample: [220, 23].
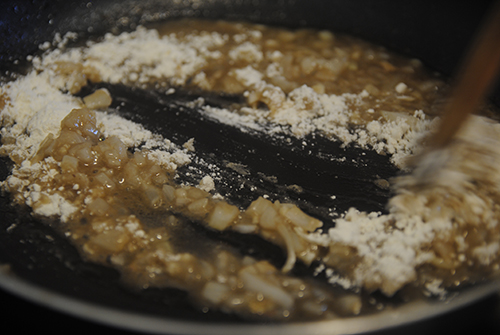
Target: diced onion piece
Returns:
[99, 99]
[308, 65]
[223, 215]
[111, 240]
[299, 218]
[272, 292]
[169, 192]
[291, 257]
[245, 228]
[46, 147]
[114, 151]
[199, 207]
[104, 180]
[99, 207]
[269, 218]
[83, 122]
[69, 164]
[131, 174]
[351, 304]
[181, 197]
[196, 193]
[397, 116]
[215, 292]
[83, 152]
[153, 195]
[257, 208]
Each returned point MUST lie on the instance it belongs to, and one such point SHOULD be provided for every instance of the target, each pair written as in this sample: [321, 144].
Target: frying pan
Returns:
[45, 269]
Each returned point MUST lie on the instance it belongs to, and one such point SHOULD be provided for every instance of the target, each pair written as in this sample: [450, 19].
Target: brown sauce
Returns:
[131, 215]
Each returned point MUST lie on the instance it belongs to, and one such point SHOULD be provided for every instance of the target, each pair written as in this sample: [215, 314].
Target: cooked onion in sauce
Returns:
[122, 206]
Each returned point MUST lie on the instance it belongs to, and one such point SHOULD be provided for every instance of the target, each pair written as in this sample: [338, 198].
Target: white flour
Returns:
[34, 110]
[390, 247]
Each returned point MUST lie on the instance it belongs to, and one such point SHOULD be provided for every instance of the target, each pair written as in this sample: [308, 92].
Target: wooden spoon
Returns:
[476, 75]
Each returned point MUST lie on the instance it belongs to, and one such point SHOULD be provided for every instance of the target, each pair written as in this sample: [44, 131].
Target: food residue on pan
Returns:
[111, 188]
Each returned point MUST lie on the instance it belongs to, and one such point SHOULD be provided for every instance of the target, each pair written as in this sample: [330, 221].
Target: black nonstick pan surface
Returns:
[72, 295]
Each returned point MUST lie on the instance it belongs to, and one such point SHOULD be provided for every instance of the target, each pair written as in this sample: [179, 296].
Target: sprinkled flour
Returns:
[436, 235]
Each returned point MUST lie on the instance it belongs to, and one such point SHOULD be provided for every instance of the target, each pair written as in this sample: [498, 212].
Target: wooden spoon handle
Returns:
[475, 77]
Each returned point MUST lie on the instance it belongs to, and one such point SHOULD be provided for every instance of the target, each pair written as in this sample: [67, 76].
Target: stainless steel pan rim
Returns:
[403, 315]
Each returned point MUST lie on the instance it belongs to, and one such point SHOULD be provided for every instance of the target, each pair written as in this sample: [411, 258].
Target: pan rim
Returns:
[406, 314]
